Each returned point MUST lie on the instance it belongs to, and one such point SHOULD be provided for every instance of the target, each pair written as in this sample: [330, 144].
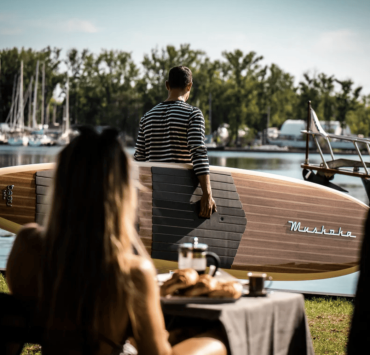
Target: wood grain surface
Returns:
[269, 245]
[145, 207]
[23, 209]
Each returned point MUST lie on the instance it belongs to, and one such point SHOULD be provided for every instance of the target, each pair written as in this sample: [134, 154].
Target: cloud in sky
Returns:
[73, 25]
[78, 25]
[339, 41]
[7, 25]
[10, 31]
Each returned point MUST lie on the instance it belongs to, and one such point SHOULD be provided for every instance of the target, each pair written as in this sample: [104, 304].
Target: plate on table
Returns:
[263, 293]
[196, 300]
[161, 278]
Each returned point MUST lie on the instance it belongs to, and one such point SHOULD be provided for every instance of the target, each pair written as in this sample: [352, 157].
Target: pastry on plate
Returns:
[227, 289]
[205, 284]
[180, 279]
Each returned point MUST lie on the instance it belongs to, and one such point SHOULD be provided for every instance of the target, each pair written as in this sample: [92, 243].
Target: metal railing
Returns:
[315, 130]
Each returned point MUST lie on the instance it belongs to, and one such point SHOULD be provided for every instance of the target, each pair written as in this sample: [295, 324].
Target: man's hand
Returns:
[207, 206]
[207, 203]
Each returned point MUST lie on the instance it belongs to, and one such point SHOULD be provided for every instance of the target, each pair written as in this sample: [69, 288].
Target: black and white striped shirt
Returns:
[173, 132]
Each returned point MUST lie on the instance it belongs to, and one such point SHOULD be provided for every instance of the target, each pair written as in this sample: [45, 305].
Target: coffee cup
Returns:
[257, 283]
[194, 255]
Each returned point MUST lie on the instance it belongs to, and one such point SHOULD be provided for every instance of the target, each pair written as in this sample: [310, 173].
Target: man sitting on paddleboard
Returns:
[173, 132]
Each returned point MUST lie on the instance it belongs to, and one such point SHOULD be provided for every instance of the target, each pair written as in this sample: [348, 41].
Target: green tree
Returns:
[156, 67]
[108, 88]
[346, 100]
[208, 84]
[308, 90]
[242, 74]
[278, 93]
[326, 89]
[102, 88]
[359, 119]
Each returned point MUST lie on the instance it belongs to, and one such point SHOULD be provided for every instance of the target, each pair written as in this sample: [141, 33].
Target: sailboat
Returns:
[34, 141]
[18, 141]
[64, 138]
[3, 138]
[16, 114]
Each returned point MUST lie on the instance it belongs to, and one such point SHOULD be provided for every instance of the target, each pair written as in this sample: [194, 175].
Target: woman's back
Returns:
[23, 276]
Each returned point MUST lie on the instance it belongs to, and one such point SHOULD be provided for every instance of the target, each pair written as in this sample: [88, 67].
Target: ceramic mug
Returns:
[257, 283]
[194, 255]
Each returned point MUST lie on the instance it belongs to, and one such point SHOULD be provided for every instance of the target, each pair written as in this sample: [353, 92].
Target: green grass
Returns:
[329, 320]
[3, 285]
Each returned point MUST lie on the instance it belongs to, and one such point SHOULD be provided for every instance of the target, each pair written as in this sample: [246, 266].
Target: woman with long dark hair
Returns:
[87, 268]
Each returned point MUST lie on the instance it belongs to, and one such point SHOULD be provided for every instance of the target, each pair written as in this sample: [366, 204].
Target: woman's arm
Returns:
[140, 147]
[151, 336]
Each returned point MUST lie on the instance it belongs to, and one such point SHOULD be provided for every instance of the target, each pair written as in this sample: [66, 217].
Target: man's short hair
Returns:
[179, 77]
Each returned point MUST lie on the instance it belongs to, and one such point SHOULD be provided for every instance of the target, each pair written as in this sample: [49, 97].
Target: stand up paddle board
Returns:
[290, 229]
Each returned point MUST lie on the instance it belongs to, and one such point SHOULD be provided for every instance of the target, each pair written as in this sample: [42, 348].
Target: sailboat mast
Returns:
[30, 103]
[67, 106]
[34, 122]
[54, 114]
[64, 119]
[14, 86]
[10, 115]
[16, 106]
[20, 108]
[43, 94]
[47, 118]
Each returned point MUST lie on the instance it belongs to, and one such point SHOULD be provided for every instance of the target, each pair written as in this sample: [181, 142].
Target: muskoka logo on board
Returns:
[296, 227]
[8, 195]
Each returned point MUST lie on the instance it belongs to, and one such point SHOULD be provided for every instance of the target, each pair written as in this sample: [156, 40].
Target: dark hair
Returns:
[90, 232]
[179, 77]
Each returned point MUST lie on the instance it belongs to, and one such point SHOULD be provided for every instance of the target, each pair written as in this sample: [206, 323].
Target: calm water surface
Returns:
[285, 164]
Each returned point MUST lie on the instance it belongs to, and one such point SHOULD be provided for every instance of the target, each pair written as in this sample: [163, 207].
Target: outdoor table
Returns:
[275, 324]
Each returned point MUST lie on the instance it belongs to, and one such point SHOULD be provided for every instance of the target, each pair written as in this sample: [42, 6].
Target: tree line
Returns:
[109, 88]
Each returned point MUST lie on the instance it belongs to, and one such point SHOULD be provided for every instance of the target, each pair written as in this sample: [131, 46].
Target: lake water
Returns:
[286, 164]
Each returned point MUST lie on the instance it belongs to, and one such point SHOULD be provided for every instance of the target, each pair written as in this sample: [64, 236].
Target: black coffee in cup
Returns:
[257, 283]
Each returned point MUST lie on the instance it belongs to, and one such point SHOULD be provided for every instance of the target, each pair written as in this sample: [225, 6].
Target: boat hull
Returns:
[290, 229]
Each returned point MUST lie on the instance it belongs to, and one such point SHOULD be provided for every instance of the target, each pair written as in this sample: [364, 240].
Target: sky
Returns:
[330, 36]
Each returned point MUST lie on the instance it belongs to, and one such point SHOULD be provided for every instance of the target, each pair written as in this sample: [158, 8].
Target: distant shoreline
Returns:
[5, 148]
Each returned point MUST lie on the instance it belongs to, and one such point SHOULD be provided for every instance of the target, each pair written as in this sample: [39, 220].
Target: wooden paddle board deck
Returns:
[290, 229]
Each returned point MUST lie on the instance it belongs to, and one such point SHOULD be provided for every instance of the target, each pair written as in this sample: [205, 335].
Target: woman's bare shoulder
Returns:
[142, 270]
[30, 234]
[23, 266]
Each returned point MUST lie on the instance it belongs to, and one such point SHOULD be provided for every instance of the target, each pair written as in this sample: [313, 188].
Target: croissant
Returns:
[229, 289]
[205, 284]
[180, 279]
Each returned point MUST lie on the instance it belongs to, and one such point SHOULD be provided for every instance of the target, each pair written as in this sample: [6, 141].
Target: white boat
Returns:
[34, 142]
[3, 138]
[18, 141]
[63, 139]
[46, 140]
